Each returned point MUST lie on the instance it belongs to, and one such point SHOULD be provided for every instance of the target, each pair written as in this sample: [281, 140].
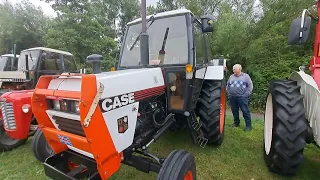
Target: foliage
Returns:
[239, 157]
[21, 24]
[252, 33]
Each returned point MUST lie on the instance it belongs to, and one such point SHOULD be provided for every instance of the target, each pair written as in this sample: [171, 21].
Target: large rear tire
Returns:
[6, 142]
[285, 128]
[179, 165]
[211, 109]
[40, 147]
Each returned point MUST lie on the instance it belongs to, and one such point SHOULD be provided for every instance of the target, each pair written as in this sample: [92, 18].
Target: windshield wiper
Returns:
[138, 37]
[162, 52]
[30, 56]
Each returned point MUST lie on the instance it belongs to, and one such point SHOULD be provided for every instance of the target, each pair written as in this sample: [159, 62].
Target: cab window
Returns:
[199, 44]
[50, 61]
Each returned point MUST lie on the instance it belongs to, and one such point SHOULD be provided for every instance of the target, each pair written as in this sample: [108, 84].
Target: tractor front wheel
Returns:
[7, 143]
[179, 165]
[40, 147]
[211, 109]
[285, 127]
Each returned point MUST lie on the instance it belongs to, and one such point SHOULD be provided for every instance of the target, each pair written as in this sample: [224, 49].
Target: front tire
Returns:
[179, 165]
[6, 142]
[211, 109]
[40, 147]
[285, 128]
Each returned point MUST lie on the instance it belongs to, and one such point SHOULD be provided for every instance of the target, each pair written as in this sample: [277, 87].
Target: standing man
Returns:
[239, 88]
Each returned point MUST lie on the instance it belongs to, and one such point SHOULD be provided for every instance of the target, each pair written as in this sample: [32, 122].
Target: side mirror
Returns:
[299, 30]
[207, 23]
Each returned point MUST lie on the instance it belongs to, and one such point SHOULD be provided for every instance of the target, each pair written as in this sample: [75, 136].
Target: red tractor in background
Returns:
[17, 121]
[292, 115]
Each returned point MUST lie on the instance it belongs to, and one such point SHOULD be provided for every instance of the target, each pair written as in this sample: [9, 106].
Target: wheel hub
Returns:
[268, 124]
[188, 176]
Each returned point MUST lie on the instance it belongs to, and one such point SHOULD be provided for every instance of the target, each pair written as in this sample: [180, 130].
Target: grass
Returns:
[239, 157]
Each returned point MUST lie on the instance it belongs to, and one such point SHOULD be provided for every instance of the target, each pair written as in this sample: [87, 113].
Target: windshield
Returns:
[3, 62]
[52, 61]
[32, 60]
[69, 63]
[167, 36]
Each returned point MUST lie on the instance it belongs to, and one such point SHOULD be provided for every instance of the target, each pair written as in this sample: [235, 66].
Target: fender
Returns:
[21, 121]
[214, 71]
[310, 91]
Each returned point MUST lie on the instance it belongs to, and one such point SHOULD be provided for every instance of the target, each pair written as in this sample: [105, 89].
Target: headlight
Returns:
[75, 107]
[26, 108]
[56, 105]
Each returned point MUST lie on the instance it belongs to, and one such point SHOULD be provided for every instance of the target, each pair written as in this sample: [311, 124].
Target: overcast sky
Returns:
[49, 11]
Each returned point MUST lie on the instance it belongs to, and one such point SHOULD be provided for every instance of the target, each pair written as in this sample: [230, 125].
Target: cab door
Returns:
[200, 63]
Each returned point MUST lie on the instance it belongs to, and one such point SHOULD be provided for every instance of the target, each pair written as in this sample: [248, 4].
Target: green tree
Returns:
[82, 29]
[22, 24]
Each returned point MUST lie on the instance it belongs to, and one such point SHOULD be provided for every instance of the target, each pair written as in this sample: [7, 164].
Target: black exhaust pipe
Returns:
[96, 60]
[144, 37]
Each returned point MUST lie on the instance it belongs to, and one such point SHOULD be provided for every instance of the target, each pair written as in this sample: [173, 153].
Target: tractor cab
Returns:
[16, 118]
[39, 61]
[8, 62]
[178, 43]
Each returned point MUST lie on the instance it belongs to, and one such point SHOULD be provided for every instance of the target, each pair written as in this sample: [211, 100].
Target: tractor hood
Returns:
[115, 82]
[17, 96]
[12, 76]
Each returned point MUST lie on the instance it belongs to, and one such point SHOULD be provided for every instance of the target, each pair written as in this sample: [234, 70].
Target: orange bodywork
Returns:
[97, 140]
[223, 108]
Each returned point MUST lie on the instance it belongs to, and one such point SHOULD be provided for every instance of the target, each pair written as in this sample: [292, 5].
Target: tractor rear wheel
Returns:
[6, 142]
[211, 109]
[285, 128]
[179, 165]
[40, 147]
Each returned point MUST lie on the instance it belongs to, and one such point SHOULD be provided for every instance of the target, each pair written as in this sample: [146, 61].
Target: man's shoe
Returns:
[248, 129]
[235, 125]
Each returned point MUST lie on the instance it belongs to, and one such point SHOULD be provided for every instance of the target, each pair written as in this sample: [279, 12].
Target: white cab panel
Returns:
[214, 73]
[200, 73]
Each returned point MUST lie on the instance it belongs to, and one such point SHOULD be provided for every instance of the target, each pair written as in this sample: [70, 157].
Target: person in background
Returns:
[239, 88]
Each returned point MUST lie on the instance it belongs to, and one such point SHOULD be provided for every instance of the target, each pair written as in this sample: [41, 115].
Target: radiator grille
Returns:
[69, 125]
[8, 116]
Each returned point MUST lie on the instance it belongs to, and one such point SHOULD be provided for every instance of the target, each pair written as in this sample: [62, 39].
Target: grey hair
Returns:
[237, 66]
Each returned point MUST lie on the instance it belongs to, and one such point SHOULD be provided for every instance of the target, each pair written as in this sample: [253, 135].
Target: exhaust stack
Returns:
[96, 60]
[144, 37]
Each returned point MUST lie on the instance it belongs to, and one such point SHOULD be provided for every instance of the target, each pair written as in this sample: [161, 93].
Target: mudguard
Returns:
[214, 71]
[310, 91]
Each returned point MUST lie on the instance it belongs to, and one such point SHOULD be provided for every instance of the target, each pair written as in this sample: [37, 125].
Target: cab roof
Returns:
[164, 14]
[48, 49]
[9, 55]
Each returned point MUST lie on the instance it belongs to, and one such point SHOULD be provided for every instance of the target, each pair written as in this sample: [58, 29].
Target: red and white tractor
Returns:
[95, 122]
[292, 113]
[17, 122]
